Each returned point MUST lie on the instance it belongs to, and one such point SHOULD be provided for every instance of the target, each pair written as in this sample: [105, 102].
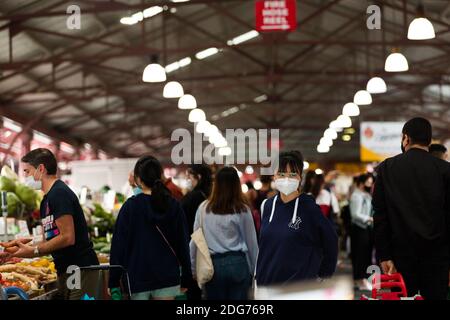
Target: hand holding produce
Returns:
[12, 246]
[13, 243]
[25, 251]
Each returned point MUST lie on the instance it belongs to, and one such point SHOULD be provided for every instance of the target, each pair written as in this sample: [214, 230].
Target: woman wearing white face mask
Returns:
[296, 241]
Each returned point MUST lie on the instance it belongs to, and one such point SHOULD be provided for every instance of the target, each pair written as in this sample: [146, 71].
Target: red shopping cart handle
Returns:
[389, 281]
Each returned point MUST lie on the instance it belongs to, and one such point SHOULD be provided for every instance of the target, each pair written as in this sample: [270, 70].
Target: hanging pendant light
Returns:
[362, 98]
[396, 62]
[197, 115]
[221, 142]
[330, 133]
[326, 141]
[376, 85]
[344, 121]
[323, 148]
[173, 89]
[202, 126]
[350, 109]
[154, 72]
[336, 126]
[187, 102]
[211, 130]
[421, 28]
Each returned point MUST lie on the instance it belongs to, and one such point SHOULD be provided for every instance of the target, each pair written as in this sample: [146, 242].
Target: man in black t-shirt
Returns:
[66, 235]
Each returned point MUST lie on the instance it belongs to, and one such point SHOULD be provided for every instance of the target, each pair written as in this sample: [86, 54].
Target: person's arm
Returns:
[192, 246]
[183, 248]
[62, 208]
[356, 208]
[382, 227]
[329, 244]
[335, 204]
[65, 238]
[249, 235]
[119, 243]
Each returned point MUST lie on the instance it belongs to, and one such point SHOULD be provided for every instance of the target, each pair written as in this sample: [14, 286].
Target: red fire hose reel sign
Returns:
[276, 15]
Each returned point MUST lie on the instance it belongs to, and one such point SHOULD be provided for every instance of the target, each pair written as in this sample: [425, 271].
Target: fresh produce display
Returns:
[15, 206]
[29, 275]
[21, 199]
[101, 245]
[7, 184]
[9, 173]
[28, 196]
[102, 220]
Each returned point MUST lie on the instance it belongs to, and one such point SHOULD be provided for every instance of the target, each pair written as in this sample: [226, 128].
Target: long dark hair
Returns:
[149, 171]
[227, 196]
[319, 182]
[309, 181]
[204, 176]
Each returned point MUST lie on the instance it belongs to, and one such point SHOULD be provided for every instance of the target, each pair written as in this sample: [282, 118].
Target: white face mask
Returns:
[32, 183]
[189, 185]
[287, 185]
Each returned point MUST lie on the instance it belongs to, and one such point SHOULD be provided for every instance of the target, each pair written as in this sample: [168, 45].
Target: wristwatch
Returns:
[36, 251]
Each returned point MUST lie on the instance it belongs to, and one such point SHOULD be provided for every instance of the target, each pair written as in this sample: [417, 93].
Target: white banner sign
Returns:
[380, 140]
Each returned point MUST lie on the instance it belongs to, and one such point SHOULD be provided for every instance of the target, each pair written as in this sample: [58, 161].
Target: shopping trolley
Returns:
[397, 287]
[94, 283]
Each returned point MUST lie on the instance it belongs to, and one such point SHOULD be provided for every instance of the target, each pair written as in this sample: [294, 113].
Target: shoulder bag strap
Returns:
[168, 244]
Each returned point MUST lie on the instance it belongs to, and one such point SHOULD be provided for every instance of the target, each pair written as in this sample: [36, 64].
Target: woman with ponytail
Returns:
[151, 238]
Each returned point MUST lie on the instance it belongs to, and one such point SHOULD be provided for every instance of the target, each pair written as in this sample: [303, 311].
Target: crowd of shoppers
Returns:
[284, 232]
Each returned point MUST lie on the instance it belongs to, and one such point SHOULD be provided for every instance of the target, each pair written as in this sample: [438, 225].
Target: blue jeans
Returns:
[232, 279]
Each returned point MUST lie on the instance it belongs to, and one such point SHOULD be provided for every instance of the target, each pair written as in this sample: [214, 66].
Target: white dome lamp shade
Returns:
[187, 102]
[376, 85]
[154, 72]
[197, 115]
[335, 125]
[173, 89]
[330, 134]
[362, 98]
[220, 142]
[344, 121]
[214, 138]
[421, 28]
[326, 141]
[323, 148]
[202, 126]
[396, 62]
[211, 130]
[350, 109]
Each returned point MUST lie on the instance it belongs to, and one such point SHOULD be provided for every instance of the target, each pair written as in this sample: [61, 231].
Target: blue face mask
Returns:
[137, 191]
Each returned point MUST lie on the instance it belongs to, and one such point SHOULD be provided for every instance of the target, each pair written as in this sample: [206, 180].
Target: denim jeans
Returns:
[232, 278]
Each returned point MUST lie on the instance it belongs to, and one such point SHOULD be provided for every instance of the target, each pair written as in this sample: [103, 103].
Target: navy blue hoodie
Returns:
[139, 247]
[289, 252]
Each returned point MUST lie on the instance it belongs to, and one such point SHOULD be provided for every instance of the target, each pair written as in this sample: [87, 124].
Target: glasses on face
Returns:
[287, 174]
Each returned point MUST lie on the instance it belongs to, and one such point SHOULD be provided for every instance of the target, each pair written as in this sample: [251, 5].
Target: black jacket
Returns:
[411, 201]
[141, 249]
[190, 203]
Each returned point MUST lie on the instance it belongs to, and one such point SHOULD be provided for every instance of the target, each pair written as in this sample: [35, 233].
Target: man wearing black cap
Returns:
[412, 214]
